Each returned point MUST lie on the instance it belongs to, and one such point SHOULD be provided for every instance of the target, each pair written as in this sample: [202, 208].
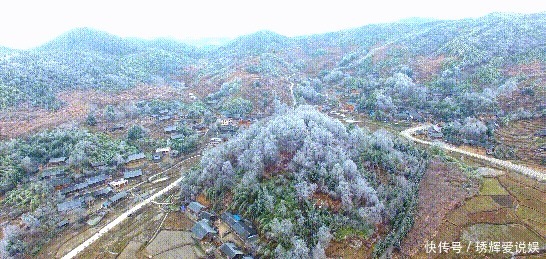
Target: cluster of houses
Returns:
[81, 191]
[206, 230]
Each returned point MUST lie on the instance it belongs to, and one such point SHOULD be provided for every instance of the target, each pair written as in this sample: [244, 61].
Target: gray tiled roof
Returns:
[96, 179]
[69, 205]
[230, 250]
[195, 207]
[132, 174]
[55, 160]
[118, 196]
[201, 229]
[135, 157]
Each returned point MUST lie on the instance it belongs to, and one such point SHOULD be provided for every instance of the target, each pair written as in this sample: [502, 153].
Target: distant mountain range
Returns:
[88, 58]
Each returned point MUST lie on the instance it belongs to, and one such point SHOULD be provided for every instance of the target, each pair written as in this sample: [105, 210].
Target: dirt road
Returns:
[124, 216]
[538, 175]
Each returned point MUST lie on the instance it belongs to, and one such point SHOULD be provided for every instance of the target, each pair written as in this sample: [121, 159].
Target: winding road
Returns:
[125, 215]
[535, 174]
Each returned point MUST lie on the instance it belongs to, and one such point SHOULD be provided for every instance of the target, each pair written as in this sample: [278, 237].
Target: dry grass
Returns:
[26, 120]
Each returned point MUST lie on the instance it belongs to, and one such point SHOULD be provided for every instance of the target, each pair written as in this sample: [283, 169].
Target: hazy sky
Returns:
[25, 23]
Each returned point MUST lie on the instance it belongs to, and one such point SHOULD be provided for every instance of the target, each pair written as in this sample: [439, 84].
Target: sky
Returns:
[30, 23]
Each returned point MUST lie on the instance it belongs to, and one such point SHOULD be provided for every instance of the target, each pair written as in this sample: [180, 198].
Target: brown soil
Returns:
[177, 221]
[26, 120]
[350, 248]
[443, 188]
[521, 136]
[203, 200]
[324, 200]
[426, 67]
[501, 216]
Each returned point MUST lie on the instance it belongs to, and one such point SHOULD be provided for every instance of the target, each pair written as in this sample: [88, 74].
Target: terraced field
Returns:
[507, 208]
[520, 135]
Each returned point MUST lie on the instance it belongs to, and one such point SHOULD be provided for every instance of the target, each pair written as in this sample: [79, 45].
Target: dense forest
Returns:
[278, 170]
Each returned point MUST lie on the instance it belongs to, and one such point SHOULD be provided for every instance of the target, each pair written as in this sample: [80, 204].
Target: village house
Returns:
[63, 223]
[177, 136]
[60, 183]
[114, 199]
[164, 111]
[435, 132]
[192, 96]
[103, 192]
[55, 172]
[541, 133]
[69, 205]
[207, 215]
[164, 150]
[99, 165]
[244, 229]
[57, 161]
[202, 231]
[116, 127]
[74, 188]
[156, 157]
[193, 209]
[170, 129]
[119, 183]
[134, 158]
[226, 122]
[132, 174]
[164, 118]
[231, 251]
[98, 179]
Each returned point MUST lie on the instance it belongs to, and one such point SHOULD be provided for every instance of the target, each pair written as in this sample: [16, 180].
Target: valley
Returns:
[421, 139]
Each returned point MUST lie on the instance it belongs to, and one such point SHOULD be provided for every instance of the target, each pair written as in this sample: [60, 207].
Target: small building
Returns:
[202, 231]
[207, 215]
[96, 179]
[81, 186]
[135, 158]
[132, 174]
[156, 157]
[244, 229]
[60, 183]
[170, 129]
[231, 251]
[98, 164]
[63, 223]
[193, 209]
[215, 140]
[435, 132]
[177, 136]
[116, 127]
[114, 199]
[56, 161]
[102, 192]
[69, 205]
[119, 183]
[164, 150]
[54, 172]
[164, 118]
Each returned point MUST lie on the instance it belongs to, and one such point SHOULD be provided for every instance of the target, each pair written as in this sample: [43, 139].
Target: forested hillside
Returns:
[456, 68]
[83, 59]
[303, 175]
